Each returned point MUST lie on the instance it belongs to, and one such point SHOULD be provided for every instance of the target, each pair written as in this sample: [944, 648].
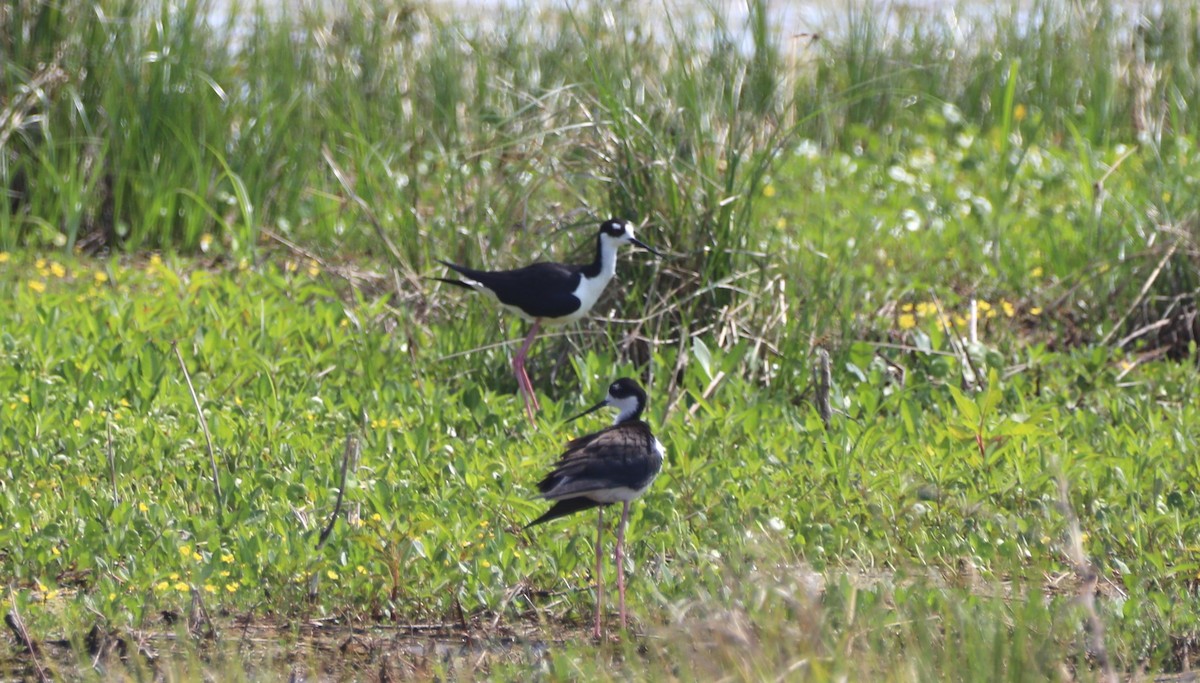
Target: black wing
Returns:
[620, 456]
[541, 289]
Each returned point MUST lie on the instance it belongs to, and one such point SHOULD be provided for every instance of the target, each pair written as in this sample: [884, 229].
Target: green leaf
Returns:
[966, 407]
[702, 355]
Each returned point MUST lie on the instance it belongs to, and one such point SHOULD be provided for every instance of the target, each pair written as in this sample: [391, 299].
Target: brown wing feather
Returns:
[611, 458]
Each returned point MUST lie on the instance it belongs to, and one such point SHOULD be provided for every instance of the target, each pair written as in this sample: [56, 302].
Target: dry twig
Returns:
[212, 456]
[17, 626]
[350, 452]
[822, 379]
[1088, 577]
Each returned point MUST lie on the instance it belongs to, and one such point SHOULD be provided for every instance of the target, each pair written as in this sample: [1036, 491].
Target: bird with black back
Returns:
[548, 293]
[614, 465]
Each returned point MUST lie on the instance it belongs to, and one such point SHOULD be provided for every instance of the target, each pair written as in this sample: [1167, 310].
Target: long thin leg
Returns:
[596, 632]
[526, 387]
[621, 560]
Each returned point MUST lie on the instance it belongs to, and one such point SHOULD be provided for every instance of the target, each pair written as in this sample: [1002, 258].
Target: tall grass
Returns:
[454, 125]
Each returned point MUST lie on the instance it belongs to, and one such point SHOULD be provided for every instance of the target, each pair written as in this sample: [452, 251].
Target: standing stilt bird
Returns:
[550, 293]
[616, 464]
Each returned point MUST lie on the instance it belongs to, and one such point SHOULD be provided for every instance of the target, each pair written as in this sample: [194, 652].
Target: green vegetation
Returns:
[266, 197]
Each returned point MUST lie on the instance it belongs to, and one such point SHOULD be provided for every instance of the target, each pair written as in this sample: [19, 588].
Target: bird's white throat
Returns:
[626, 406]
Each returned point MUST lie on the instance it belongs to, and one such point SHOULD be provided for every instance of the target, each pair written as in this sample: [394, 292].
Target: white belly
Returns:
[617, 495]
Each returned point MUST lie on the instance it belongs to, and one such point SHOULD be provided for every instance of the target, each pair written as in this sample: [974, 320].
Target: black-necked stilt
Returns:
[616, 464]
[550, 293]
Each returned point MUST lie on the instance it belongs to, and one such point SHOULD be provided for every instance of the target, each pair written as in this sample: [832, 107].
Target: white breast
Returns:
[588, 292]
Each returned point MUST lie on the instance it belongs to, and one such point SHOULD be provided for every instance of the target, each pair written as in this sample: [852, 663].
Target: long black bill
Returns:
[645, 246]
[593, 409]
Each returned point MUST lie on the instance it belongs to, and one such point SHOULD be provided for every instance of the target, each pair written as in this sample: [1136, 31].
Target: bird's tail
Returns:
[565, 507]
[461, 270]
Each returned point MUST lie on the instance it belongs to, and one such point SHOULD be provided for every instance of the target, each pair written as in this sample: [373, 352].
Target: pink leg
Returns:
[596, 632]
[621, 560]
[526, 387]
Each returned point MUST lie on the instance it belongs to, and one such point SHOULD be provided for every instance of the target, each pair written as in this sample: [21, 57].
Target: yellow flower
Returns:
[960, 321]
[907, 321]
[925, 308]
[24, 398]
[769, 191]
[209, 588]
[37, 286]
[155, 260]
[1009, 311]
[205, 242]
[1036, 272]
[376, 517]
[185, 551]
[486, 564]
[1036, 310]
[360, 569]
[54, 552]
[333, 576]
[985, 306]
[76, 423]
[57, 269]
[781, 224]
[100, 277]
[162, 586]
[907, 308]
[232, 587]
[1019, 113]
[142, 507]
[313, 269]
[40, 264]
[344, 323]
[225, 574]
[291, 266]
[396, 424]
[227, 558]
[4, 257]
[182, 587]
[197, 557]
[173, 576]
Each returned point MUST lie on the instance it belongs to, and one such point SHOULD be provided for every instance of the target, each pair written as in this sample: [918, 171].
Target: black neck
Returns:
[593, 269]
